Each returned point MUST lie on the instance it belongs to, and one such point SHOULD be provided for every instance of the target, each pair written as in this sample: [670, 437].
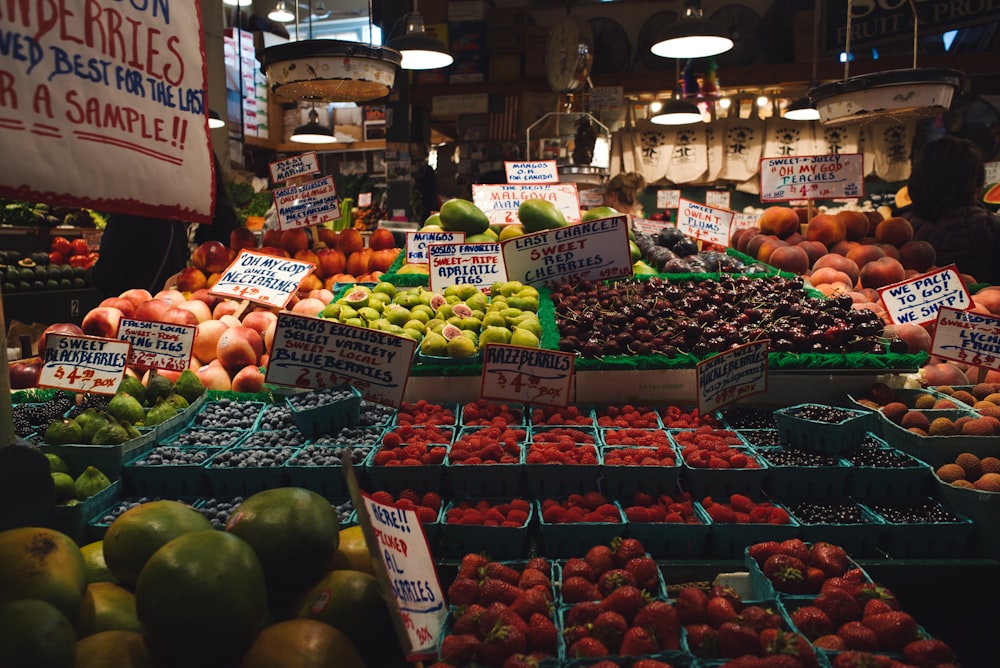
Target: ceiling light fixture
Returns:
[237, 3]
[693, 36]
[677, 112]
[802, 110]
[280, 13]
[312, 132]
[420, 49]
[655, 106]
[215, 120]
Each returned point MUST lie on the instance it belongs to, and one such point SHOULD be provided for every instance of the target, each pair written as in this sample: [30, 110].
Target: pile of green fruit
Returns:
[28, 276]
[457, 322]
[69, 492]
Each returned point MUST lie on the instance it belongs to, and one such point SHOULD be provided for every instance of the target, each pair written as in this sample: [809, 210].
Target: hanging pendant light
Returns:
[280, 13]
[693, 36]
[420, 49]
[312, 132]
[237, 3]
[802, 110]
[215, 120]
[677, 112]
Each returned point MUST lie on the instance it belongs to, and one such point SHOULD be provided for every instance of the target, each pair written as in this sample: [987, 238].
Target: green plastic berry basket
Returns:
[328, 416]
[325, 480]
[833, 438]
[187, 479]
[728, 539]
[534, 415]
[939, 450]
[573, 539]
[179, 422]
[801, 481]
[453, 407]
[243, 480]
[498, 542]
[422, 478]
[519, 412]
[722, 482]
[858, 538]
[620, 481]
[108, 458]
[763, 588]
[673, 540]
[98, 522]
[73, 520]
[923, 540]
[885, 482]
[485, 480]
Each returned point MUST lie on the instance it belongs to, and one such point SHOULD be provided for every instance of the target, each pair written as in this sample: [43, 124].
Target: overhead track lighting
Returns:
[215, 120]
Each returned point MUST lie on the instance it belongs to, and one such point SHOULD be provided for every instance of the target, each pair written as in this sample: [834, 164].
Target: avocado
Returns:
[461, 215]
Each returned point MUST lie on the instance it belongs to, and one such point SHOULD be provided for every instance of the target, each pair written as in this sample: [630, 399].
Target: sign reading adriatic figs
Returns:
[105, 102]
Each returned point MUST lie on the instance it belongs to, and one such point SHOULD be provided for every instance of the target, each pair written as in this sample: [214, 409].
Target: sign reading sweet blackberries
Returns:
[307, 204]
[528, 375]
[964, 336]
[260, 278]
[732, 375]
[704, 222]
[916, 301]
[535, 171]
[317, 353]
[83, 363]
[417, 242]
[294, 167]
[812, 177]
[158, 345]
[465, 264]
[594, 250]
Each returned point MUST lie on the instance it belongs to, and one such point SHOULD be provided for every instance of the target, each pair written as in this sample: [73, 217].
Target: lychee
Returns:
[924, 401]
[978, 427]
[944, 404]
[942, 426]
[964, 484]
[970, 464]
[990, 464]
[951, 473]
[983, 390]
[894, 411]
[989, 482]
[944, 389]
[881, 394]
[964, 396]
[915, 419]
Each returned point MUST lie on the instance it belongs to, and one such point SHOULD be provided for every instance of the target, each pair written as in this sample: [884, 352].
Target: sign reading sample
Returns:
[536, 171]
[115, 90]
[594, 250]
[294, 167]
[964, 336]
[316, 353]
[668, 198]
[704, 222]
[83, 363]
[917, 300]
[260, 278]
[500, 203]
[158, 345]
[417, 242]
[307, 204]
[465, 264]
[732, 375]
[529, 375]
[812, 177]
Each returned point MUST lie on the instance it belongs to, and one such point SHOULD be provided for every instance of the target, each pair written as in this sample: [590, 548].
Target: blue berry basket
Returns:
[498, 542]
[228, 473]
[169, 470]
[325, 479]
[322, 411]
[922, 540]
[834, 437]
[228, 413]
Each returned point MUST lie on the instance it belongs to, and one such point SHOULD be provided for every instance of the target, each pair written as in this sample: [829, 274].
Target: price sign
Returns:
[595, 250]
[964, 336]
[308, 204]
[607, 98]
[465, 264]
[535, 171]
[732, 375]
[260, 278]
[917, 300]
[93, 239]
[500, 203]
[668, 198]
[294, 167]
[704, 222]
[83, 363]
[811, 177]
[992, 172]
[742, 221]
[717, 198]
[653, 227]
[313, 352]
[417, 242]
[158, 345]
[529, 375]
[364, 199]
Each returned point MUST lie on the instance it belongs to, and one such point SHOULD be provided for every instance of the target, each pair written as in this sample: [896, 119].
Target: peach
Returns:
[843, 247]
[826, 228]
[206, 339]
[214, 376]
[309, 306]
[814, 249]
[151, 310]
[268, 337]
[211, 256]
[124, 305]
[881, 272]
[790, 258]
[260, 320]
[874, 218]
[309, 283]
[942, 373]
[865, 253]
[199, 308]
[768, 247]
[190, 279]
[225, 307]
[825, 275]
[172, 297]
[238, 347]
[755, 242]
[294, 240]
[889, 250]
[230, 320]
[242, 237]
[919, 255]
[271, 237]
[734, 238]
[779, 221]
[795, 238]
[248, 379]
[136, 296]
[102, 321]
[896, 231]
[350, 241]
[329, 261]
[917, 338]
[833, 288]
[989, 299]
[321, 294]
[840, 263]
[855, 223]
[176, 315]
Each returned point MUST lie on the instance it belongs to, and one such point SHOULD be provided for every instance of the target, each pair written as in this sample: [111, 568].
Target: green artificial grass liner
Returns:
[35, 395]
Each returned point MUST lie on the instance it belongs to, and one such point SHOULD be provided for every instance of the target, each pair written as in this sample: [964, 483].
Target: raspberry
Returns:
[778, 516]
[741, 503]
[721, 514]
[382, 496]
[392, 440]
[427, 515]
[431, 500]
[554, 514]
[637, 514]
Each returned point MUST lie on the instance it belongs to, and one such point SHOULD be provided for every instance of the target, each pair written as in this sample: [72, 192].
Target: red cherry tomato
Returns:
[61, 245]
[80, 246]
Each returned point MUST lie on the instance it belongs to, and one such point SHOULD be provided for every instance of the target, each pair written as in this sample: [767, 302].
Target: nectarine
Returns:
[238, 347]
[855, 223]
[779, 221]
[840, 263]
[896, 231]
[881, 272]
[789, 258]
[919, 255]
[826, 228]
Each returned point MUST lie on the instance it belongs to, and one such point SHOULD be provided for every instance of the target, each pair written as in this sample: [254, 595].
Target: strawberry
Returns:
[661, 619]
[609, 627]
[812, 622]
[586, 647]
[459, 650]
[868, 591]
[600, 558]
[814, 580]
[778, 641]
[691, 605]
[502, 572]
[646, 573]
[728, 593]
[572, 634]
[760, 618]
[530, 602]
[928, 652]
[471, 565]
[497, 590]
[786, 573]
[468, 621]
[626, 549]
[626, 600]
[539, 564]
[490, 618]
[523, 661]
[542, 634]
[533, 578]
[575, 566]
[839, 606]
[638, 641]
[613, 579]
[650, 663]
[795, 547]
[583, 613]
[859, 637]
[500, 643]
[576, 589]
[830, 558]
[702, 640]
[463, 591]
[831, 642]
[856, 659]
[759, 552]
[894, 629]
[736, 639]
[719, 611]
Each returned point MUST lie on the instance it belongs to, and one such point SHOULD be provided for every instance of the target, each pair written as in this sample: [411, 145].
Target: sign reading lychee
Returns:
[83, 363]
[964, 336]
[263, 279]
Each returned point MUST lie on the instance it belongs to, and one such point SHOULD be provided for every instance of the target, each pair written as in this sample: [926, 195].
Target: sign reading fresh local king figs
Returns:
[732, 375]
[594, 250]
[812, 177]
[964, 336]
[316, 353]
[158, 345]
[307, 204]
[83, 363]
[704, 222]
[535, 171]
[530, 375]
[465, 264]
[260, 278]
[294, 167]
[116, 90]
[500, 203]
[916, 301]
[417, 242]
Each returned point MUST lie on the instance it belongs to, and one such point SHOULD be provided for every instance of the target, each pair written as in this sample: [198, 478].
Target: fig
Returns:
[523, 337]
[157, 387]
[90, 421]
[450, 332]
[357, 298]
[461, 310]
[124, 407]
[434, 344]
[90, 482]
[60, 432]
[189, 386]
[461, 346]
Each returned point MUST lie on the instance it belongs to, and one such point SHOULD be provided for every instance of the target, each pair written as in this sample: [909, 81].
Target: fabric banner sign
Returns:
[103, 105]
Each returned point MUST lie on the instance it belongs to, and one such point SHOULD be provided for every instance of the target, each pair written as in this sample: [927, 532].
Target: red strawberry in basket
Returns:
[613, 579]
[812, 622]
[796, 547]
[463, 591]
[600, 558]
[609, 627]
[459, 650]
[778, 642]
[661, 619]
[856, 659]
[928, 652]
[894, 629]
[702, 639]
[497, 590]
[627, 549]
[468, 621]
[830, 558]
[691, 605]
[839, 606]
[719, 610]
[646, 573]
[737, 639]
[626, 600]
[761, 551]
[500, 643]
[529, 602]
[638, 641]
[760, 618]
[583, 613]
[857, 636]
[542, 634]
[786, 573]
[586, 647]
[576, 589]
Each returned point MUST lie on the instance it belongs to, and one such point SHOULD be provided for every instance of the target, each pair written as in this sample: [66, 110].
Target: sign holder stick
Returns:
[6, 408]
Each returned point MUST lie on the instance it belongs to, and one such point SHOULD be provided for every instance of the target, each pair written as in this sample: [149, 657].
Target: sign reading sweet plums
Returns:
[83, 363]
[916, 301]
[704, 222]
[732, 375]
[964, 336]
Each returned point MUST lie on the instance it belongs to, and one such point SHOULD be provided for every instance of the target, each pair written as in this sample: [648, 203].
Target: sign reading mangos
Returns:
[812, 177]
[535, 171]
[294, 167]
[316, 353]
[261, 278]
[417, 242]
[917, 300]
[500, 203]
[307, 204]
[529, 375]
[158, 345]
[704, 222]
[732, 375]
[964, 336]
[481, 265]
[83, 363]
[595, 250]
[117, 91]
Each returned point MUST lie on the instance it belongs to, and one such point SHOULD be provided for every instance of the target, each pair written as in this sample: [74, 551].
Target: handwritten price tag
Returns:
[260, 278]
[811, 177]
[535, 171]
[529, 375]
[83, 363]
[732, 375]
[668, 198]
[500, 203]
[963, 336]
[707, 223]
[465, 264]
[718, 198]
[158, 345]
[918, 299]
[417, 242]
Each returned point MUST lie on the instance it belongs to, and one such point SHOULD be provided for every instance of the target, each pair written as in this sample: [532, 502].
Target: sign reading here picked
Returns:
[964, 336]
[811, 177]
[158, 345]
[529, 375]
[732, 375]
[83, 363]
[917, 300]
[707, 223]
[260, 278]
[308, 204]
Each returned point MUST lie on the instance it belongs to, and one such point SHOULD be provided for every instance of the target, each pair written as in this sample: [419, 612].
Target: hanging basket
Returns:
[327, 70]
[892, 95]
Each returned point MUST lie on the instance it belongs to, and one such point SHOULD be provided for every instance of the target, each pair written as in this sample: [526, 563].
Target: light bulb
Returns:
[762, 100]
[655, 106]
[725, 103]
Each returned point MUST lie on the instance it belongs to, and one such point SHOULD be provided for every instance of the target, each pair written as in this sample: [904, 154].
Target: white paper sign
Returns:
[535, 171]
[481, 265]
[645, 226]
[158, 345]
[293, 167]
[83, 363]
[607, 98]
[528, 375]
[964, 336]
[812, 177]
[992, 172]
[416, 244]
[307, 204]
[313, 352]
[732, 375]
[595, 250]
[742, 221]
[917, 300]
[668, 198]
[707, 223]
[261, 278]
[105, 100]
[717, 198]
[500, 203]
[364, 199]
